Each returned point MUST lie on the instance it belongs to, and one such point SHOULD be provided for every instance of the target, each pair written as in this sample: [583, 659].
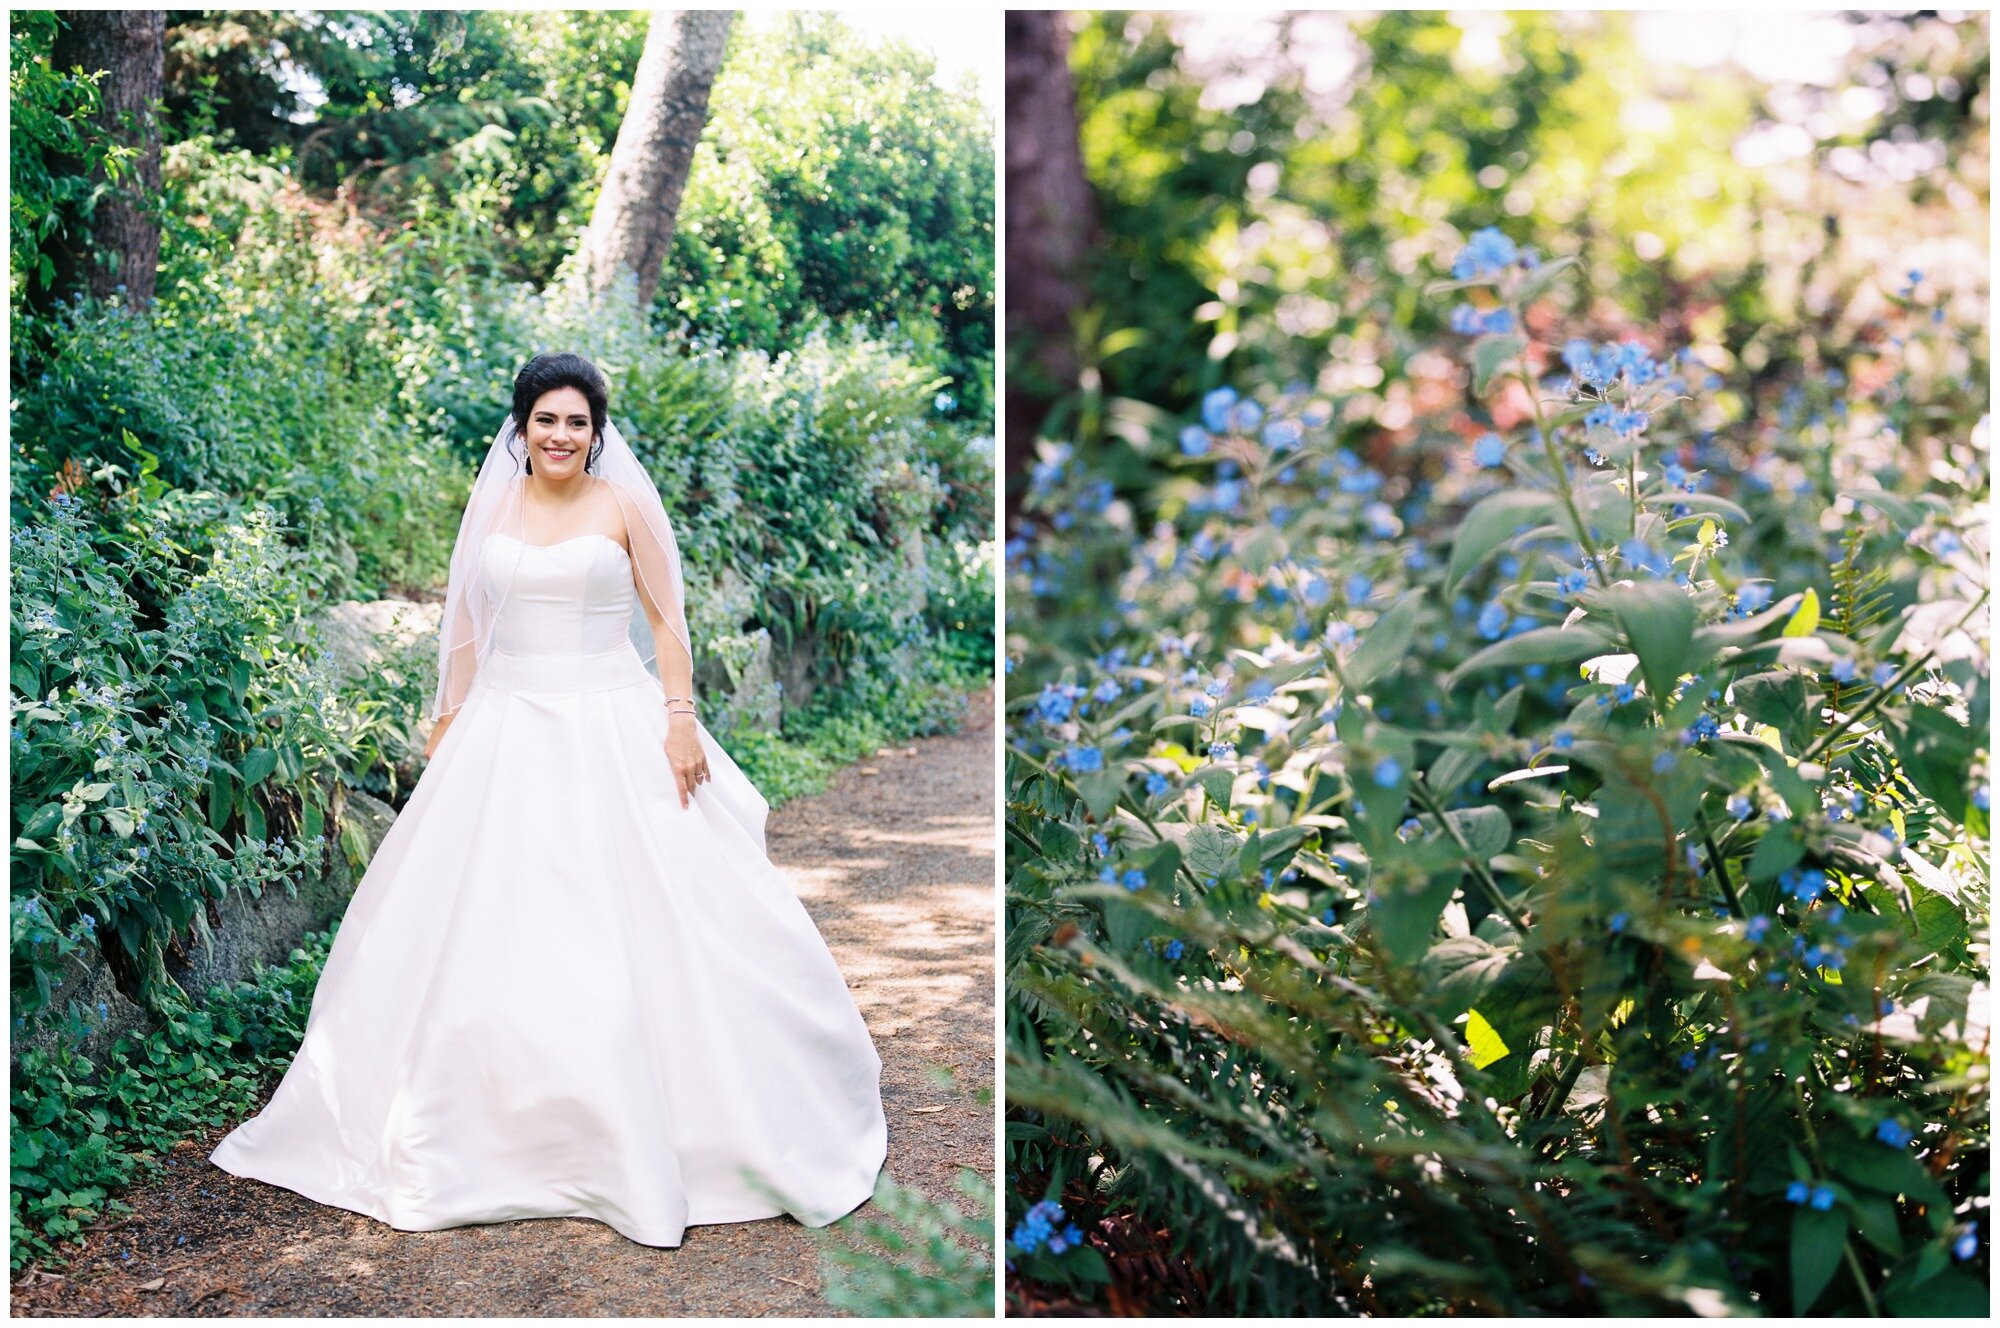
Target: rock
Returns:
[252, 931]
[360, 634]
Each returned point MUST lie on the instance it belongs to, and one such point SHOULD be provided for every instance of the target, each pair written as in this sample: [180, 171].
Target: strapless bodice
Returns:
[565, 615]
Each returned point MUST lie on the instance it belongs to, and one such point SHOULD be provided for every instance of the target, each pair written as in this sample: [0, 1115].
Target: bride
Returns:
[570, 983]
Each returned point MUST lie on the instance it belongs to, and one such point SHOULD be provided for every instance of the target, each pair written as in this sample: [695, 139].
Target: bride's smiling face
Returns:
[559, 433]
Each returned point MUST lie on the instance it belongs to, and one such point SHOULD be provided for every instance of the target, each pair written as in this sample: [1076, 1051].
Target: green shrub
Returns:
[1545, 877]
[81, 1132]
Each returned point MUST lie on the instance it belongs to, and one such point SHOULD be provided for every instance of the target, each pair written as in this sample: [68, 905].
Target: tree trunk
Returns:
[123, 246]
[632, 226]
[1051, 217]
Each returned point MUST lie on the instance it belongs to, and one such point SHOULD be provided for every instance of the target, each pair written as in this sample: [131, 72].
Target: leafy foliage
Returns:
[921, 1258]
[1479, 885]
[835, 179]
[82, 1131]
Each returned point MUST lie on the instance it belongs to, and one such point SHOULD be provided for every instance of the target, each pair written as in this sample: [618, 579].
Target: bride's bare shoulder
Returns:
[618, 527]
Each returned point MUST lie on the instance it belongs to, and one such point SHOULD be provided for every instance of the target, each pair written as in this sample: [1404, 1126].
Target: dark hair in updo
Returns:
[547, 373]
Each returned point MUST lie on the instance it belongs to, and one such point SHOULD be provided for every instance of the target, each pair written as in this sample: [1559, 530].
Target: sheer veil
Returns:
[480, 582]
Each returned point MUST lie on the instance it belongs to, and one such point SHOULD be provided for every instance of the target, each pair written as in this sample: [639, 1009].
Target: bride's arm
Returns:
[683, 745]
[655, 575]
[461, 662]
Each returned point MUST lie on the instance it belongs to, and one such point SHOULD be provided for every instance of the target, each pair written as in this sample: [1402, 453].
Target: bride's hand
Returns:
[685, 755]
[437, 736]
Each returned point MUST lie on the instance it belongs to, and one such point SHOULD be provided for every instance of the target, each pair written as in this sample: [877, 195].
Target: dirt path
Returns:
[895, 863]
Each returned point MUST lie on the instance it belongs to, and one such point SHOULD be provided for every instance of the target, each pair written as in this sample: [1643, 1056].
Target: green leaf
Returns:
[1485, 1045]
[1542, 279]
[1387, 642]
[1905, 512]
[1218, 782]
[1936, 752]
[258, 762]
[1706, 503]
[1099, 789]
[1489, 354]
[1492, 522]
[1486, 830]
[1542, 645]
[1454, 764]
[1949, 1295]
[1778, 850]
[1817, 1238]
[1806, 621]
[1405, 915]
[1659, 620]
[1777, 698]
[1211, 853]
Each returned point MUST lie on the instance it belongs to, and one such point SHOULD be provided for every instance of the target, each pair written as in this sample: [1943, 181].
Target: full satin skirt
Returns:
[558, 993]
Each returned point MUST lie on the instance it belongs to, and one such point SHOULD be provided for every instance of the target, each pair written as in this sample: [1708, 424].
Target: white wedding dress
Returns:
[558, 993]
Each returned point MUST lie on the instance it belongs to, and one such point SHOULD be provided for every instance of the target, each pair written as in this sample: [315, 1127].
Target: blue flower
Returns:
[1083, 758]
[1757, 928]
[1643, 557]
[1282, 435]
[1327, 917]
[1359, 588]
[1663, 762]
[1798, 1192]
[1892, 1132]
[1843, 669]
[1215, 407]
[1739, 806]
[1038, 1227]
[1388, 772]
[1882, 674]
[1822, 1199]
[1487, 253]
[1966, 1244]
[1175, 949]
[1493, 620]
[1194, 441]
[1133, 879]
[1563, 740]
[1490, 450]
[1199, 707]
[1156, 784]
[1618, 922]
[1753, 598]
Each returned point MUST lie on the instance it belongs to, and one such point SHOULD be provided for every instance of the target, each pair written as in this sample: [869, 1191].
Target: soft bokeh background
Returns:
[1489, 832]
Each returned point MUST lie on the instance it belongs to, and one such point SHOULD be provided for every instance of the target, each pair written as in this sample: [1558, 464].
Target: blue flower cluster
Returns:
[1819, 1198]
[1803, 886]
[1468, 321]
[1487, 253]
[1601, 366]
[1046, 1226]
[1893, 1132]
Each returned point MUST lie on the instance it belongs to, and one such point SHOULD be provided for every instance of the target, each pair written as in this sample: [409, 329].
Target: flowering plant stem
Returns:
[1561, 471]
[1888, 689]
